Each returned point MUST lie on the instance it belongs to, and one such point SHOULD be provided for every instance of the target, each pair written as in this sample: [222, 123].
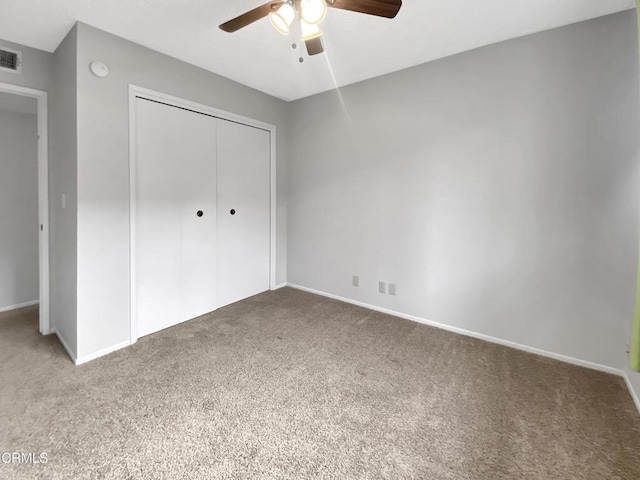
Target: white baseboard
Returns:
[469, 333]
[102, 353]
[19, 305]
[544, 353]
[65, 345]
[278, 287]
[91, 356]
[632, 391]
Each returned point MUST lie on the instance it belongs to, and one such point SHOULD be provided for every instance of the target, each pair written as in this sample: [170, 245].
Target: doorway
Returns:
[24, 158]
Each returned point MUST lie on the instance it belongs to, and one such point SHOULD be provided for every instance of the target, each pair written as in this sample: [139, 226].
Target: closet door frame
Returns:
[144, 93]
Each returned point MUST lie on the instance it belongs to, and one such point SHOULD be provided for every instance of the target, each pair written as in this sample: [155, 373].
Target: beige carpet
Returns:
[291, 385]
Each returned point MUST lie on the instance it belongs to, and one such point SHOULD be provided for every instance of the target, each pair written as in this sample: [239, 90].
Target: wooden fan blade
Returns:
[250, 17]
[379, 8]
[314, 46]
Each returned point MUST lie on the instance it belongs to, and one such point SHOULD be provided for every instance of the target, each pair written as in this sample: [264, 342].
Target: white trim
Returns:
[197, 107]
[43, 202]
[273, 211]
[91, 356]
[65, 345]
[19, 305]
[278, 287]
[43, 197]
[469, 333]
[133, 294]
[632, 391]
[101, 353]
[136, 91]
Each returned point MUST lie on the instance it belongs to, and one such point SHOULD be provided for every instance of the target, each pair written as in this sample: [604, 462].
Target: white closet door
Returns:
[175, 249]
[244, 189]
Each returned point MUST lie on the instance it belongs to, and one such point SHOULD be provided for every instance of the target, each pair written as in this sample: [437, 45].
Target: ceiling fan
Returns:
[282, 14]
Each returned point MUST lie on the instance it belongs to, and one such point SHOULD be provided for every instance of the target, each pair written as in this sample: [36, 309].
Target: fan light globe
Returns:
[309, 31]
[313, 11]
[282, 18]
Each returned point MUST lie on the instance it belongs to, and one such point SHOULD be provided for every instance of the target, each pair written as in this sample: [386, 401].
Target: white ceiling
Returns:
[18, 103]
[358, 46]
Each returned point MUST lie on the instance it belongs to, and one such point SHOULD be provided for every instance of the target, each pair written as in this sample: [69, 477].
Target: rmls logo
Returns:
[22, 457]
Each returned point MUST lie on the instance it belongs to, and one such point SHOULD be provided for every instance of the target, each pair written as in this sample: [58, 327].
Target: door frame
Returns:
[43, 199]
[136, 91]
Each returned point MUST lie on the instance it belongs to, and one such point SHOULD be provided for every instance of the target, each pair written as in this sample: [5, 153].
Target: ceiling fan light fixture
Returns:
[313, 11]
[282, 18]
[310, 31]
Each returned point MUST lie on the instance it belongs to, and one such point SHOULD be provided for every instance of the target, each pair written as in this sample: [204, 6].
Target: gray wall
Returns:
[63, 180]
[497, 188]
[36, 73]
[18, 208]
[55, 74]
[103, 168]
[36, 68]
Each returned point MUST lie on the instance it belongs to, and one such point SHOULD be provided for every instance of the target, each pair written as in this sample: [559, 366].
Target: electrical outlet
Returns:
[392, 289]
[382, 287]
[356, 281]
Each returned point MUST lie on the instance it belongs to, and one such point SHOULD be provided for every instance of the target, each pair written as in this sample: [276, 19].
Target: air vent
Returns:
[10, 60]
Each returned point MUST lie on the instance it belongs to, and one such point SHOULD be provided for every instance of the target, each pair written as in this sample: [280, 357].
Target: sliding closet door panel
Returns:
[175, 175]
[199, 223]
[243, 211]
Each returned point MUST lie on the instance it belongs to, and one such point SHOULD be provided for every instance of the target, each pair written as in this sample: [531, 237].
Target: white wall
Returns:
[103, 168]
[18, 208]
[498, 189]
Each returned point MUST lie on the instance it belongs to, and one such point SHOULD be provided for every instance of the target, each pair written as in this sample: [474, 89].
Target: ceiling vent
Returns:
[10, 60]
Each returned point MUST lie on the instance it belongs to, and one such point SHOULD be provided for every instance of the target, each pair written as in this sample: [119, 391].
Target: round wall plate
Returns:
[99, 69]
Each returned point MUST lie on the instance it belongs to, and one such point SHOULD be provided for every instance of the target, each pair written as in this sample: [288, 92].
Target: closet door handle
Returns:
[199, 213]
[233, 211]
